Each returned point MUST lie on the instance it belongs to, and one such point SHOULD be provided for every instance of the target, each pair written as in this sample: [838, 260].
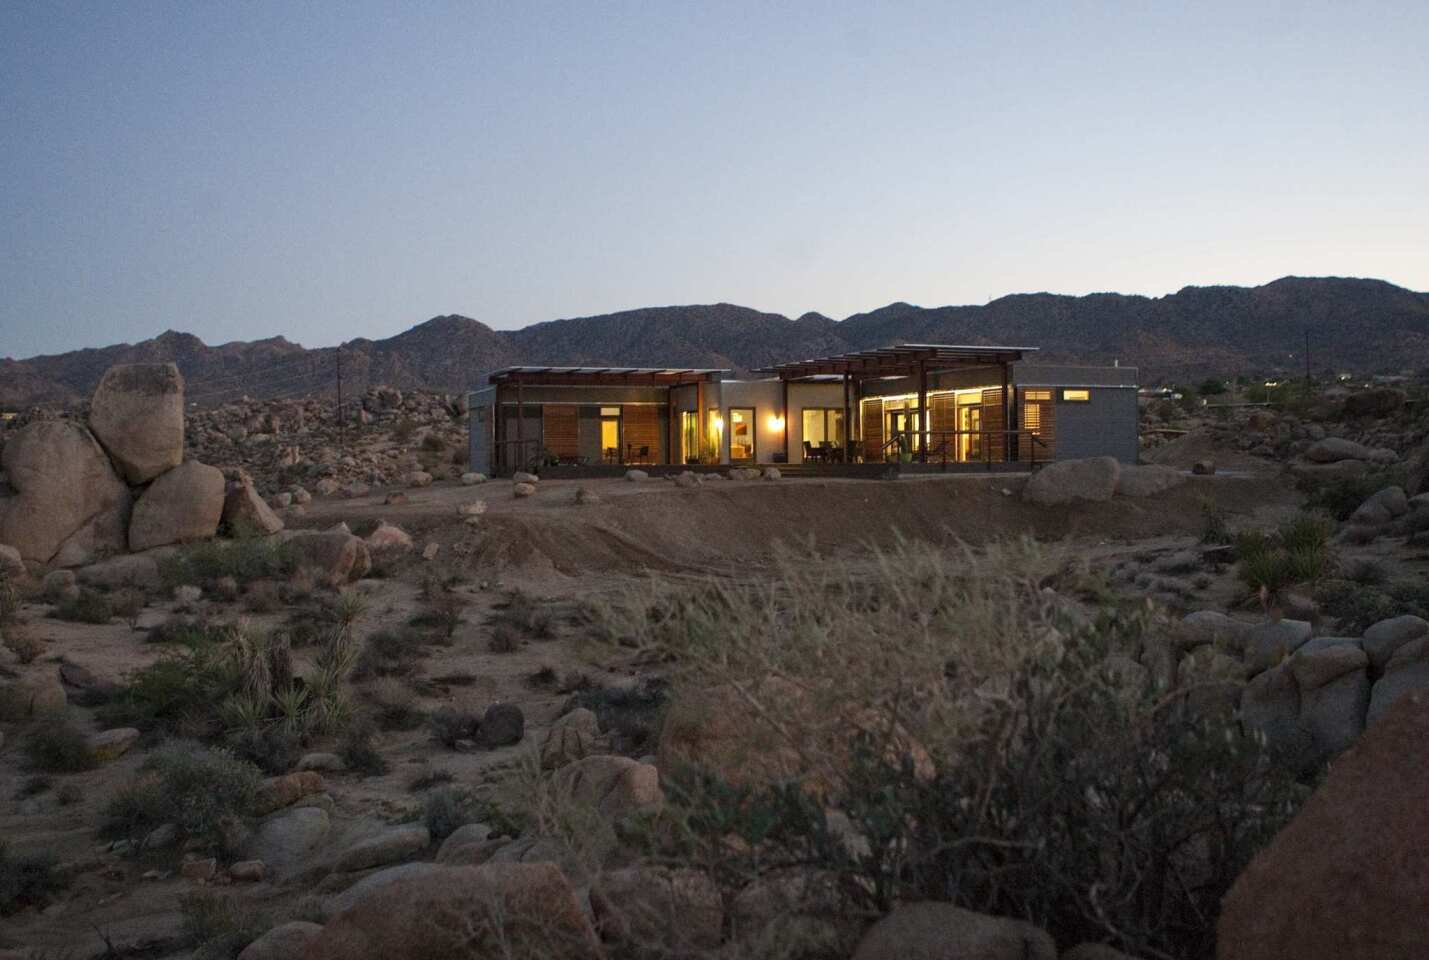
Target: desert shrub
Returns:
[433, 443]
[452, 724]
[196, 788]
[21, 643]
[217, 926]
[1297, 552]
[1341, 496]
[543, 678]
[629, 714]
[524, 615]
[179, 690]
[27, 881]
[185, 631]
[1059, 789]
[1214, 530]
[262, 596]
[360, 754]
[1354, 605]
[1367, 571]
[403, 430]
[9, 598]
[446, 809]
[390, 653]
[504, 640]
[245, 560]
[394, 704]
[58, 747]
[444, 614]
[128, 605]
[86, 606]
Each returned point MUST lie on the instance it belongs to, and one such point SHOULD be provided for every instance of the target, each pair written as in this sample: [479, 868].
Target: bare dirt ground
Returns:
[562, 553]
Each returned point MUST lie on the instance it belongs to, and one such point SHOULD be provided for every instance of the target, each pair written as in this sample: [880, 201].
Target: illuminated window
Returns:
[1039, 395]
[741, 433]
[1032, 418]
[610, 411]
[1076, 396]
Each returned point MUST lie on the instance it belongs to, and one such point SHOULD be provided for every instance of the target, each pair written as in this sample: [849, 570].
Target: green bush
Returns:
[58, 748]
[1297, 552]
[196, 788]
[27, 881]
[1341, 496]
[360, 754]
[245, 560]
[446, 809]
[9, 598]
[87, 606]
[390, 653]
[219, 927]
[181, 690]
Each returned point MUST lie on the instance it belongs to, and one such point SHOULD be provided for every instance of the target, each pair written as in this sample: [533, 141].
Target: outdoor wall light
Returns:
[718, 424]
[776, 422]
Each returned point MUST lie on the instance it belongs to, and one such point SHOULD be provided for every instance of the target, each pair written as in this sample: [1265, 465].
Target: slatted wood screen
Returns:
[1039, 415]
[642, 429]
[942, 422]
[558, 425]
[994, 421]
[873, 430]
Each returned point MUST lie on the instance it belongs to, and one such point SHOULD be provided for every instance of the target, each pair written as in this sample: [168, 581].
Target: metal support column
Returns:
[787, 424]
[848, 421]
[520, 463]
[1006, 414]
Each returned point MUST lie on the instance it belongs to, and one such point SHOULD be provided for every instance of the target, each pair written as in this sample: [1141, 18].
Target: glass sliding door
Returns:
[689, 436]
[741, 434]
[610, 434]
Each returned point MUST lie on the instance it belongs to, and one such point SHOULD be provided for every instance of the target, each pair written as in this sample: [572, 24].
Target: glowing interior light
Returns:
[776, 422]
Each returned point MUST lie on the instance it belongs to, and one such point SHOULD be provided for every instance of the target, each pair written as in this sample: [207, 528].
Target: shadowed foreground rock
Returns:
[1347, 879]
[515, 910]
[941, 931]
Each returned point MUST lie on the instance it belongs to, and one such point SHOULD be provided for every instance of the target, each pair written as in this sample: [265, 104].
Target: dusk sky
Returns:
[333, 170]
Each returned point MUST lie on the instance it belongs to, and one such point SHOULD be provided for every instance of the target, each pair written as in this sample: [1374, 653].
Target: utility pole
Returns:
[341, 420]
[1307, 359]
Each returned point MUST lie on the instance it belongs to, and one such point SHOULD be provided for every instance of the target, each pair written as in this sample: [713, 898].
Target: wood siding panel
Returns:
[559, 430]
[642, 429]
[994, 421]
[942, 421]
[873, 430]
[1038, 416]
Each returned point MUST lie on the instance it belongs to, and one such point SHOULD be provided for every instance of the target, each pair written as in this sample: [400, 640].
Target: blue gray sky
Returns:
[332, 170]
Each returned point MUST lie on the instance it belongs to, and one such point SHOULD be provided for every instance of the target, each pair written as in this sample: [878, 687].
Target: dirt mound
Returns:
[1183, 452]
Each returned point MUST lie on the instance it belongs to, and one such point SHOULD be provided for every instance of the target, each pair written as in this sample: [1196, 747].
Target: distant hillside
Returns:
[1359, 325]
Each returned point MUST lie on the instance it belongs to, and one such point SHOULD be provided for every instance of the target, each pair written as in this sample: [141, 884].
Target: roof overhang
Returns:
[902, 360]
[604, 376]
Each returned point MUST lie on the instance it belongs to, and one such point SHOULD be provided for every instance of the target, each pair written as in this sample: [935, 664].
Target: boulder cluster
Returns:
[79, 491]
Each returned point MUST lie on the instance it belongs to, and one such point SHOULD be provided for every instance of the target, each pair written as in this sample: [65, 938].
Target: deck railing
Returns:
[942, 446]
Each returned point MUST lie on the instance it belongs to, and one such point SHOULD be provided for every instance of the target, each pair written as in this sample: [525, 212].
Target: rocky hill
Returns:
[1354, 324]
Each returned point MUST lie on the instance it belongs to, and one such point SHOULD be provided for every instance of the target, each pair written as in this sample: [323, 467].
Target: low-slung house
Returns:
[921, 406]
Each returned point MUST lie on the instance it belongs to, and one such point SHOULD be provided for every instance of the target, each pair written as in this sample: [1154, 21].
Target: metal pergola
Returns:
[605, 376]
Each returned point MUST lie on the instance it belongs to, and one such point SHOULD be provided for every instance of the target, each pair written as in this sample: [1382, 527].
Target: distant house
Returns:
[917, 405]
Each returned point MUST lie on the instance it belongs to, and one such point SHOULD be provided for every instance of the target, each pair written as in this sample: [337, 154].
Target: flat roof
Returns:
[606, 376]
[900, 360]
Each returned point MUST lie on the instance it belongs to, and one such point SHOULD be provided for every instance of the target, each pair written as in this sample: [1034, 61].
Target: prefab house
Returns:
[917, 406]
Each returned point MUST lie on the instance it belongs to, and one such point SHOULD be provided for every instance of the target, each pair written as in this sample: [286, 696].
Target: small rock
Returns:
[161, 837]
[1203, 468]
[940, 931]
[198, 869]
[430, 551]
[502, 725]
[472, 479]
[248, 871]
[388, 536]
[772, 473]
[187, 594]
[275, 793]
[521, 476]
[523, 490]
[635, 476]
[585, 496]
[112, 744]
[473, 509]
[59, 585]
[321, 762]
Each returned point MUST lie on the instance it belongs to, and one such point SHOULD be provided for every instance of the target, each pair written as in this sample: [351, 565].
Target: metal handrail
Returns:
[903, 440]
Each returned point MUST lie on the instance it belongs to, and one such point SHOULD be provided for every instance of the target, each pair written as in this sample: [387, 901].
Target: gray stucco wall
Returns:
[1104, 426]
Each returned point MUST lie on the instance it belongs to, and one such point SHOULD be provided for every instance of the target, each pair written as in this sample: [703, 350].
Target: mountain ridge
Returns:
[1360, 324]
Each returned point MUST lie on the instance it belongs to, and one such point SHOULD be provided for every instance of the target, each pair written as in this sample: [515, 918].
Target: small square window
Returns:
[610, 411]
[1039, 395]
[1076, 396]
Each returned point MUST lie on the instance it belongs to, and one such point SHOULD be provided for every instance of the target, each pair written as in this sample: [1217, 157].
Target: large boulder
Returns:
[138, 415]
[1334, 692]
[1334, 449]
[1375, 402]
[1381, 507]
[925, 930]
[183, 505]
[515, 910]
[1270, 643]
[613, 786]
[387, 847]
[1211, 628]
[1346, 879]
[1147, 481]
[1383, 638]
[12, 565]
[676, 911]
[1407, 672]
[30, 697]
[64, 485]
[336, 555]
[245, 511]
[570, 738]
[288, 839]
[1067, 480]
